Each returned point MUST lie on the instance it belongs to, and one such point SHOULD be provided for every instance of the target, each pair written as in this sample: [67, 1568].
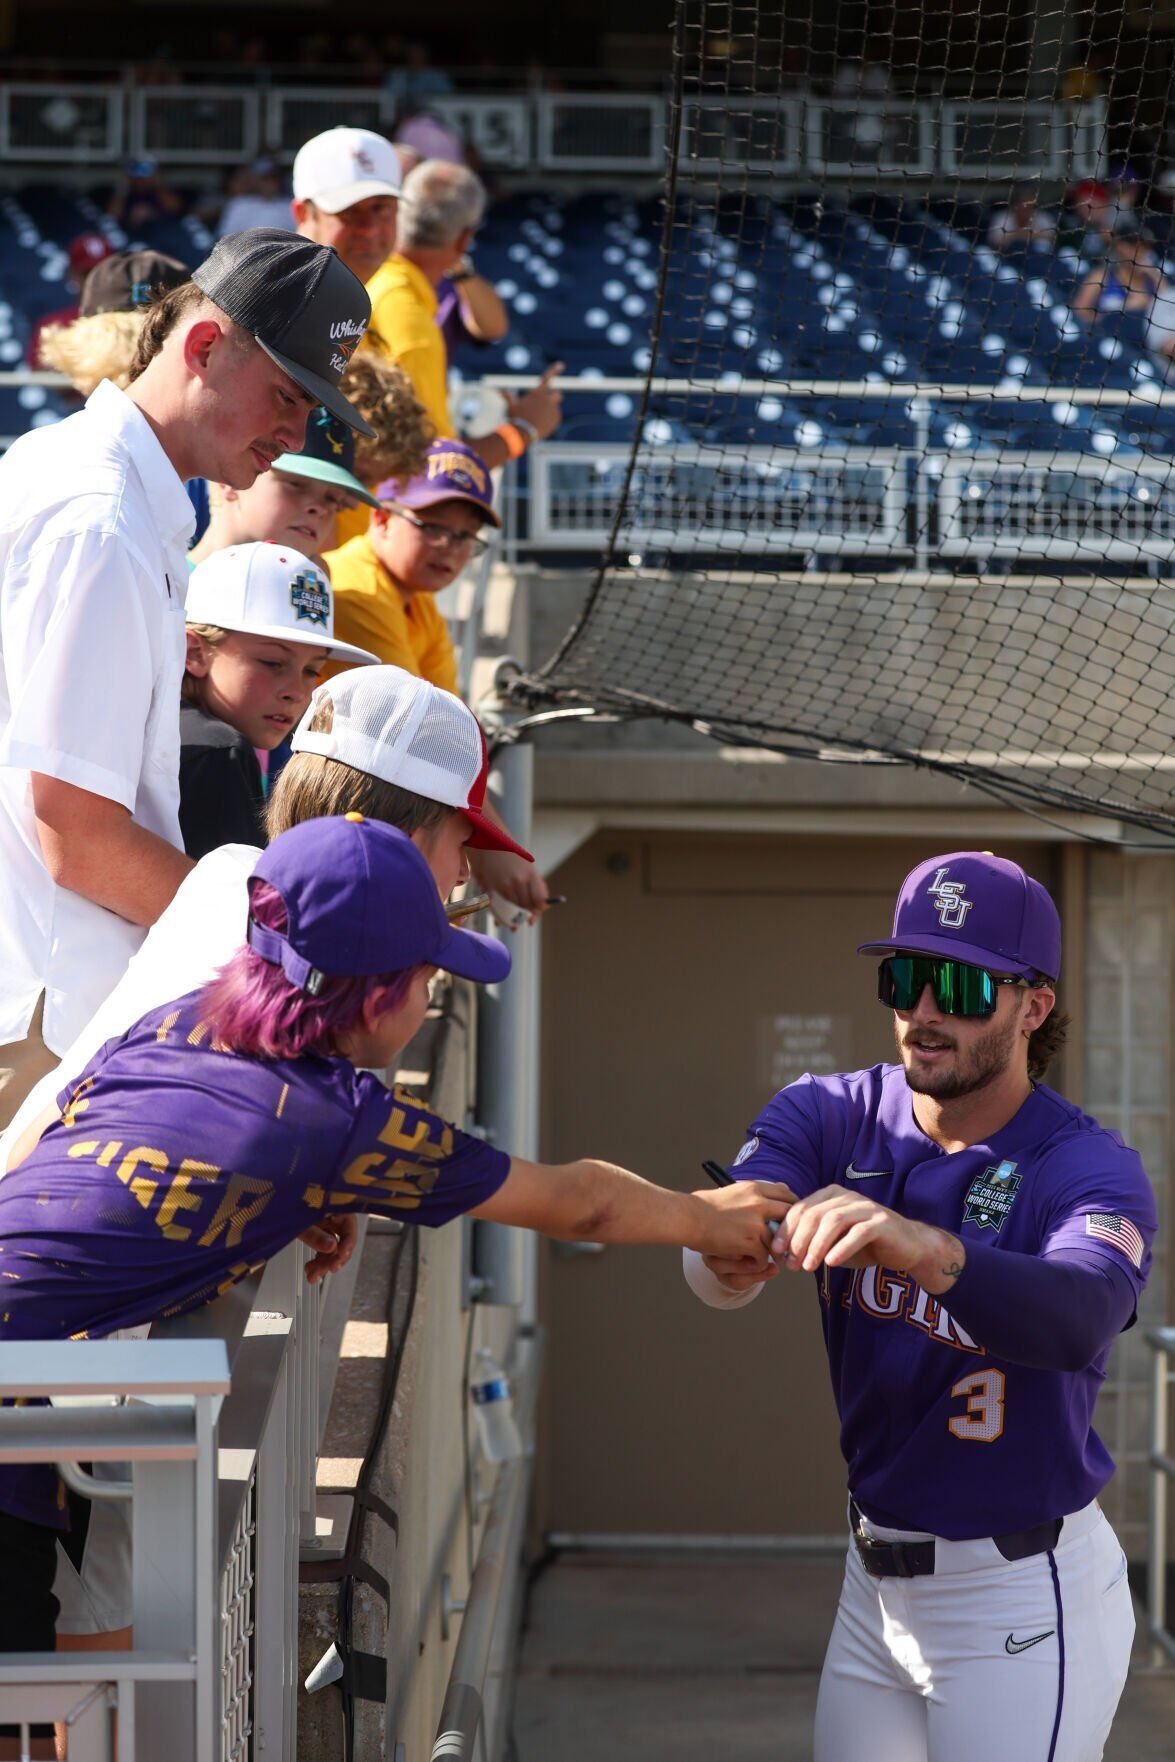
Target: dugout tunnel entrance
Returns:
[697, 974]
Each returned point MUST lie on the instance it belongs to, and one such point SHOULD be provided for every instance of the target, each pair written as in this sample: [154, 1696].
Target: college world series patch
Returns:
[310, 598]
[990, 1196]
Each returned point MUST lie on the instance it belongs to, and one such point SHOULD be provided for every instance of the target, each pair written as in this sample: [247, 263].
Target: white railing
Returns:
[217, 1525]
[926, 499]
[794, 135]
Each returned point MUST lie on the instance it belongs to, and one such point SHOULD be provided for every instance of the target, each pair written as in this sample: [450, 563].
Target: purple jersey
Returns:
[938, 1434]
[177, 1168]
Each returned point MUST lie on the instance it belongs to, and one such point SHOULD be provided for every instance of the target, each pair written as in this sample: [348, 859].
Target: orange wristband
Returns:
[513, 438]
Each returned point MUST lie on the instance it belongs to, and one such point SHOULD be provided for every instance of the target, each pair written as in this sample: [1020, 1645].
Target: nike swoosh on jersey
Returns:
[1013, 1645]
[852, 1173]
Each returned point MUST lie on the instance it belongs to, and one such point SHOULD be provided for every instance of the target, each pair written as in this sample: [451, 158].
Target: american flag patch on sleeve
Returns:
[1119, 1232]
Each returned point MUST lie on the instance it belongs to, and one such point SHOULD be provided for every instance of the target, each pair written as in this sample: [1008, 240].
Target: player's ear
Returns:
[1040, 1004]
[198, 658]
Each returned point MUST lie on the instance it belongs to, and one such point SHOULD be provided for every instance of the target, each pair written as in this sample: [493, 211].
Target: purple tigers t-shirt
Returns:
[938, 1434]
[177, 1168]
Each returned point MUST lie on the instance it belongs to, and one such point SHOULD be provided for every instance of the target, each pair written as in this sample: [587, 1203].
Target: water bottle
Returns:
[497, 1427]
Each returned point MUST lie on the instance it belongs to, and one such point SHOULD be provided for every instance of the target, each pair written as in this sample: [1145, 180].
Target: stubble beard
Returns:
[985, 1060]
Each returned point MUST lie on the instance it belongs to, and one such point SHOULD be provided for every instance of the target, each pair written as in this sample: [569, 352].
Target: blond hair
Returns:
[92, 349]
[192, 686]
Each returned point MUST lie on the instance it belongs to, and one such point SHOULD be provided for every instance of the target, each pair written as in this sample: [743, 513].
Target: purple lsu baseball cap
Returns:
[361, 900]
[453, 472]
[972, 906]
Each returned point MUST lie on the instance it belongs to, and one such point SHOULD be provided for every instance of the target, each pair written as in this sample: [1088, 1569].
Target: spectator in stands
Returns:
[419, 539]
[143, 197]
[429, 136]
[1088, 218]
[260, 628]
[346, 184]
[411, 85]
[469, 308]
[295, 502]
[94, 522]
[85, 253]
[441, 207]
[1022, 222]
[101, 342]
[1129, 279]
[261, 198]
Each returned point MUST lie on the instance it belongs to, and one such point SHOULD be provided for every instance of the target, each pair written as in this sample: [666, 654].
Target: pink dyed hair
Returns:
[252, 1008]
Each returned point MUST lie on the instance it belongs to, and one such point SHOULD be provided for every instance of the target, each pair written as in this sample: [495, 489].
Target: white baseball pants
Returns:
[1021, 1661]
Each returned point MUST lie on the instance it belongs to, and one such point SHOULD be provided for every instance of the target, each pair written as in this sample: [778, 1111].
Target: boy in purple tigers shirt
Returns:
[225, 1124]
[979, 1243]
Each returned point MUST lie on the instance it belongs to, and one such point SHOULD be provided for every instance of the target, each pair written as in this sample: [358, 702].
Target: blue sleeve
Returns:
[403, 1161]
[785, 1142]
[1054, 1314]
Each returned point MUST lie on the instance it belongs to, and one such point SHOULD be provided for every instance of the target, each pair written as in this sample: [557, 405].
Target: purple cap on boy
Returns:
[361, 900]
[453, 472]
[975, 907]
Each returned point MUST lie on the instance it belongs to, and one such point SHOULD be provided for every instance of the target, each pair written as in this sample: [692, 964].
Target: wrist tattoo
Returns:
[953, 1260]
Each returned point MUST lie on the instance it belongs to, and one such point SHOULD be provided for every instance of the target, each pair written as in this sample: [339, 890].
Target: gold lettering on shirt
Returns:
[356, 1172]
[198, 1033]
[108, 1152]
[166, 1025]
[76, 1105]
[143, 1189]
[178, 1198]
[395, 1137]
[281, 1100]
[315, 1196]
[85, 1146]
[232, 1217]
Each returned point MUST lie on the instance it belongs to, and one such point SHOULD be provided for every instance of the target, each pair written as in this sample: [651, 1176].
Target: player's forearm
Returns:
[1047, 1314]
[709, 1287]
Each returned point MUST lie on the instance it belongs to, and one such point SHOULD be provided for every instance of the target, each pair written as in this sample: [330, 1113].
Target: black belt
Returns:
[916, 1559]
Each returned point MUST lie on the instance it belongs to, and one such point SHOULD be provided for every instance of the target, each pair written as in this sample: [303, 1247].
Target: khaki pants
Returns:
[22, 1065]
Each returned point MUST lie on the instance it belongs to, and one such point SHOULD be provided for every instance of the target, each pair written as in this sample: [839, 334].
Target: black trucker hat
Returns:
[299, 300]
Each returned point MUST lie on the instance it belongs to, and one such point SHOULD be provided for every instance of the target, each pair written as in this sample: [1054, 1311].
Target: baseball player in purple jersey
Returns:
[978, 1243]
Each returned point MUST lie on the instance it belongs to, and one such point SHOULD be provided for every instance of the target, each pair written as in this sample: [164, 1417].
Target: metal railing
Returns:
[227, 1587]
[943, 493]
[1162, 1472]
[792, 135]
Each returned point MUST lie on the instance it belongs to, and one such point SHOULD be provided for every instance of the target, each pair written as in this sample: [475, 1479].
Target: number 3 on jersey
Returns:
[983, 1421]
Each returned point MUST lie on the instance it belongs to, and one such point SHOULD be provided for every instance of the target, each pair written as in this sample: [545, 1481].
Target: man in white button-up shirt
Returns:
[94, 524]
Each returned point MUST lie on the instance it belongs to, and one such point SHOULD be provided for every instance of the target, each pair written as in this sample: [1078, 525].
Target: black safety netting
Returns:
[900, 487]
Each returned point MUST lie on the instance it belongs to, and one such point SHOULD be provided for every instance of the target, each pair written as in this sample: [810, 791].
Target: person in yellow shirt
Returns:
[440, 209]
[418, 541]
[385, 582]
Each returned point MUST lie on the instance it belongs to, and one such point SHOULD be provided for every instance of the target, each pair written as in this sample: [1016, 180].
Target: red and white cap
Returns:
[409, 732]
[343, 166]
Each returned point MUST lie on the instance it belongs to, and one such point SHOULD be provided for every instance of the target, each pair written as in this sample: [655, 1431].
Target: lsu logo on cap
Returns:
[310, 598]
[364, 161]
[466, 472]
[950, 900]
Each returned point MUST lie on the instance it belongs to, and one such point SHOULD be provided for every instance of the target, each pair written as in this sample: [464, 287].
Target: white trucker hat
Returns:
[344, 166]
[409, 732]
[268, 589]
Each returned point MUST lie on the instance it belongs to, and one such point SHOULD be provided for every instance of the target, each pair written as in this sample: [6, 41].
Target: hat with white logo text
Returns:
[300, 301]
[267, 589]
[975, 907]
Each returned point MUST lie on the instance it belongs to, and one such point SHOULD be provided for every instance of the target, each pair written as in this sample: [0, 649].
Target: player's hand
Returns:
[333, 1242]
[834, 1227]
[740, 1275]
[736, 1221]
[513, 879]
[542, 406]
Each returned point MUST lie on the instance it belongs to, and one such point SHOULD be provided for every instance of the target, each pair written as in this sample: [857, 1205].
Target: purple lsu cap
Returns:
[453, 472]
[975, 907]
[361, 900]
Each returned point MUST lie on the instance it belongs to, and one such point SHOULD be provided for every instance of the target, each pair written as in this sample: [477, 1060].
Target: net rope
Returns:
[900, 488]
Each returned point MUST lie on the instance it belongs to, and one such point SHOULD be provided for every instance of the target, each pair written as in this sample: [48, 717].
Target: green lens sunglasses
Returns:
[959, 989]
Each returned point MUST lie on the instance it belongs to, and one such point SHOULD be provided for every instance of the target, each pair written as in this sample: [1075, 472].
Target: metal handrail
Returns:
[463, 1707]
[1162, 1471]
